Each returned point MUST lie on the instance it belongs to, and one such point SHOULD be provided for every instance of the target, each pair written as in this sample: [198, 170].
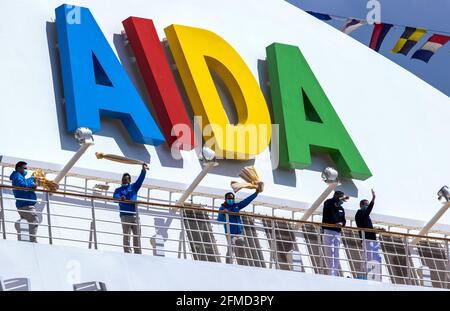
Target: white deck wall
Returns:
[58, 267]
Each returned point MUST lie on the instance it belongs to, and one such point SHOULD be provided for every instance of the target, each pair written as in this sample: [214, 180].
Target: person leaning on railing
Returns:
[234, 221]
[333, 213]
[25, 199]
[128, 216]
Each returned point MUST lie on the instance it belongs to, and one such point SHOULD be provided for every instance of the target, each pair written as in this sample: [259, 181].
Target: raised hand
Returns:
[260, 187]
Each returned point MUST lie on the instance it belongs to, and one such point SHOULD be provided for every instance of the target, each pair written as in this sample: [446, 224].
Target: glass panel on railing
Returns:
[433, 256]
[200, 235]
[249, 254]
[285, 241]
[355, 252]
[311, 235]
[397, 259]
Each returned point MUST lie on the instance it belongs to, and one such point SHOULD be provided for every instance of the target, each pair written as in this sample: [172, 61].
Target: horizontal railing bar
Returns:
[71, 228]
[257, 216]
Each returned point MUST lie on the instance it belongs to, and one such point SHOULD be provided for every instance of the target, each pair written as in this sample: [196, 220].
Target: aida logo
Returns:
[96, 85]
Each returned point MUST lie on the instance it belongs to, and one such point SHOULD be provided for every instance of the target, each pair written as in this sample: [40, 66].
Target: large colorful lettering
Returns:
[95, 84]
[197, 51]
[306, 117]
[160, 83]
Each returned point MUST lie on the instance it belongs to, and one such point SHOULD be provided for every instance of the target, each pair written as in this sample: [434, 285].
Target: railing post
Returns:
[85, 186]
[230, 248]
[183, 233]
[94, 227]
[49, 223]
[91, 230]
[408, 264]
[321, 255]
[366, 272]
[138, 224]
[274, 236]
[2, 214]
[448, 254]
[1, 205]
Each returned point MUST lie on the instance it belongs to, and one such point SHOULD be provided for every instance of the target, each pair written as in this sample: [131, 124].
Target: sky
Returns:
[429, 14]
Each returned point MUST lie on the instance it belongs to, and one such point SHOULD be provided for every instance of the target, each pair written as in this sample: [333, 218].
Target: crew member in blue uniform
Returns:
[128, 216]
[25, 199]
[235, 222]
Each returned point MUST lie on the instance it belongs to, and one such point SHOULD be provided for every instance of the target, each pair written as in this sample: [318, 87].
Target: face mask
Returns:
[340, 202]
[364, 207]
[125, 185]
[230, 202]
[25, 172]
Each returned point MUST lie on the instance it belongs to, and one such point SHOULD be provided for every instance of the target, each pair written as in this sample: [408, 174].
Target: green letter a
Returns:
[307, 119]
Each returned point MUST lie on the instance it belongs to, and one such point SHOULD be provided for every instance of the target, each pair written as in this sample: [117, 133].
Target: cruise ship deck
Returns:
[83, 214]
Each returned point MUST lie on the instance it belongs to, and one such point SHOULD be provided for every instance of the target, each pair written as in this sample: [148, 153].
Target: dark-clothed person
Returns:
[362, 217]
[333, 213]
[371, 246]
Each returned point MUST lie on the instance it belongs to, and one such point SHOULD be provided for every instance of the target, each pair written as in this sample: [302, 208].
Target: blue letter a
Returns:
[95, 82]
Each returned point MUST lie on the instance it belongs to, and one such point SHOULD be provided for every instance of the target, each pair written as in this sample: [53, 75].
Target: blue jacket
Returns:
[130, 192]
[235, 220]
[18, 180]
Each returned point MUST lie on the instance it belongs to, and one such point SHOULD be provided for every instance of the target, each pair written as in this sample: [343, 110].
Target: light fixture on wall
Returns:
[85, 138]
[444, 192]
[209, 158]
[330, 177]
[84, 135]
[208, 154]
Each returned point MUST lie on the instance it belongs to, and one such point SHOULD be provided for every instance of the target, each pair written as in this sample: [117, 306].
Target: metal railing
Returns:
[92, 221]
